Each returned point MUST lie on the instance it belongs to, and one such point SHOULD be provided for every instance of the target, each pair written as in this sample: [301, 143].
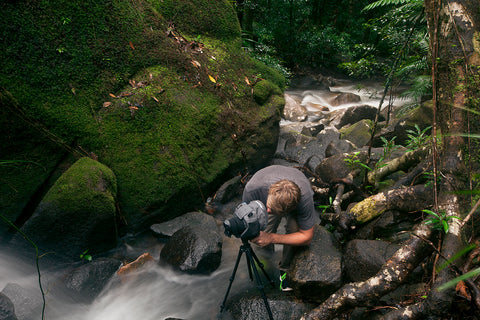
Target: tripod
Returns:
[251, 260]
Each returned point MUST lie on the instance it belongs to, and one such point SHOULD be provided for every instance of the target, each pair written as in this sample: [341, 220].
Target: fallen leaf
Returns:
[133, 108]
[154, 98]
[112, 95]
[131, 45]
[248, 82]
[212, 79]
[125, 94]
[196, 63]
[107, 104]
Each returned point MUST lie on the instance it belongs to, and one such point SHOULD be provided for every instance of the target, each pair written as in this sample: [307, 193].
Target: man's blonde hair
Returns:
[283, 197]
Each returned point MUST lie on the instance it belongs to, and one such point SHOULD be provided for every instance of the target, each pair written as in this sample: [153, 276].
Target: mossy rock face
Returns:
[133, 85]
[359, 133]
[77, 213]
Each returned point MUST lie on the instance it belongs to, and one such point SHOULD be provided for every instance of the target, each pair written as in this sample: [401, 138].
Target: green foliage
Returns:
[417, 138]
[439, 221]
[354, 163]
[85, 256]
[325, 207]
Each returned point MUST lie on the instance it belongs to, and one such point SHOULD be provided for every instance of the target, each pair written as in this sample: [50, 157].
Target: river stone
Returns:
[7, 310]
[352, 115]
[84, 283]
[344, 98]
[358, 133]
[28, 303]
[293, 111]
[316, 270]
[76, 214]
[194, 249]
[364, 258]
[167, 229]
[250, 305]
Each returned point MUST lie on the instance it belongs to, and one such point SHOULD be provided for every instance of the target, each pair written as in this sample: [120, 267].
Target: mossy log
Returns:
[390, 276]
[404, 162]
[409, 199]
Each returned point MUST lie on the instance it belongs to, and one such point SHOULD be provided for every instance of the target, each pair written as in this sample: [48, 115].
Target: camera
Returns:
[249, 219]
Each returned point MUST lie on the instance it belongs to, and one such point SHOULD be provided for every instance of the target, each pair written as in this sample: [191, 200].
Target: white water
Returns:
[155, 293]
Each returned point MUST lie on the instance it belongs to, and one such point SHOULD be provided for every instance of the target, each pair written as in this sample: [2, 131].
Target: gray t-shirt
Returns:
[257, 189]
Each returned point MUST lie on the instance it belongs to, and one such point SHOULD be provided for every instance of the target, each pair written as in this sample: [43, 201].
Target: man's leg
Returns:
[288, 251]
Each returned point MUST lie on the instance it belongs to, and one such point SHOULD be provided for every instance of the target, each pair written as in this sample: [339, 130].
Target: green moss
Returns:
[71, 65]
[263, 90]
[87, 184]
[201, 17]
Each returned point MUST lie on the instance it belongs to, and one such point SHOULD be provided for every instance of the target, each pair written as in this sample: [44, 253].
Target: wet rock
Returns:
[28, 303]
[352, 115]
[229, 190]
[194, 249]
[7, 310]
[84, 283]
[251, 306]
[293, 111]
[338, 147]
[167, 229]
[316, 271]
[76, 214]
[364, 258]
[344, 98]
[358, 133]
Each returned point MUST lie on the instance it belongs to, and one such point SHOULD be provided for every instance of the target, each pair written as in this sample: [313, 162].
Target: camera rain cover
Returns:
[255, 217]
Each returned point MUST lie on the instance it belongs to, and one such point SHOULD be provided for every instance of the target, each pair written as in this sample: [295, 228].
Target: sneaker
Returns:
[284, 283]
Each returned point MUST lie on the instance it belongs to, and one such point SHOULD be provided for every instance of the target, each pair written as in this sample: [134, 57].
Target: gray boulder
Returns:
[251, 306]
[352, 115]
[316, 271]
[358, 133]
[28, 303]
[86, 282]
[167, 229]
[293, 110]
[7, 310]
[194, 249]
[364, 258]
[344, 98]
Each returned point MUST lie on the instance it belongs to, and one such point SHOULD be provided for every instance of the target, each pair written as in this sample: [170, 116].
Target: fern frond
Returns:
[384, 3]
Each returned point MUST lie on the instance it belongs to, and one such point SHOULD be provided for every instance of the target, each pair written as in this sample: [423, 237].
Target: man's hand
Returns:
[263, 239]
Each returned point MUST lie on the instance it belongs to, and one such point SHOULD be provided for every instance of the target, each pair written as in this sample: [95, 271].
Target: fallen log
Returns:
[408, 199]
[391, 275]
[404, 162]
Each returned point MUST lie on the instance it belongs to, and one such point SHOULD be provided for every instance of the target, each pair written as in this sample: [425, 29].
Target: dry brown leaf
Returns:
[131, 45]
[107, 104]
[196, 63]
[154, 98]
[112, 95]
[247, 81]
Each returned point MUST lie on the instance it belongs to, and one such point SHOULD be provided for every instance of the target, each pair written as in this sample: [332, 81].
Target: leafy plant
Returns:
[353, 162]
[325, 207]
[86, 256]
[417, 138]
[389, 146]
[439, 221]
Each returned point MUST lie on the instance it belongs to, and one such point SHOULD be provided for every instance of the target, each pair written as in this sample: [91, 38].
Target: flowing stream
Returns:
[158, 292]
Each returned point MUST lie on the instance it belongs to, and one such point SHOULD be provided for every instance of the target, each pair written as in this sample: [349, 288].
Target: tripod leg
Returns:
[261, 267]
[259, 281]
[232, 277]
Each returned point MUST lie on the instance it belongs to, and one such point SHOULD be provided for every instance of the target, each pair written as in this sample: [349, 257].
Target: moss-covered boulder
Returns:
[159, 91]
[358, 133]
[77, 214]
